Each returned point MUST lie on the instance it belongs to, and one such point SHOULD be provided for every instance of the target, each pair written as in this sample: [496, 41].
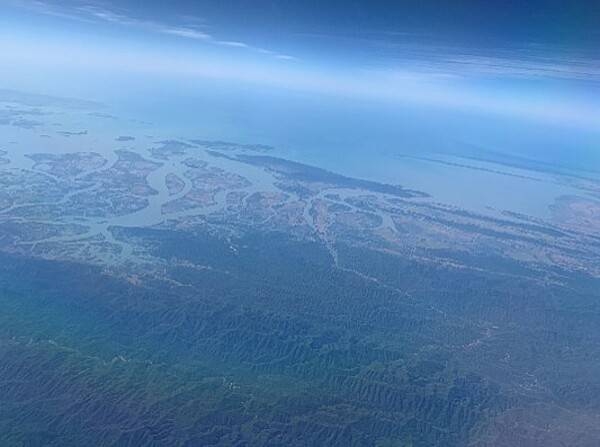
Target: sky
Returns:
[494, 69]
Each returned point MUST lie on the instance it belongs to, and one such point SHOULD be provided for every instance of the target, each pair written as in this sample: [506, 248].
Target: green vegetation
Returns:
[272, 346]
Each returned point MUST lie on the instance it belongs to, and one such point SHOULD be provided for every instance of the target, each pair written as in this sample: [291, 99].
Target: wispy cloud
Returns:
[511, 66]
[431, 75]
[187, 33]
[230, 43]
[422, 54]
[193, 28]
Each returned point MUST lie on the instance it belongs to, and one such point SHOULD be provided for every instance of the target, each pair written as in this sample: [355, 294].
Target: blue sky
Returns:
[515, 62]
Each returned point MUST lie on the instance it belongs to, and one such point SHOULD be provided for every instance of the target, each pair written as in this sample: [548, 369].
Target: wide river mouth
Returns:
[476, 185]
